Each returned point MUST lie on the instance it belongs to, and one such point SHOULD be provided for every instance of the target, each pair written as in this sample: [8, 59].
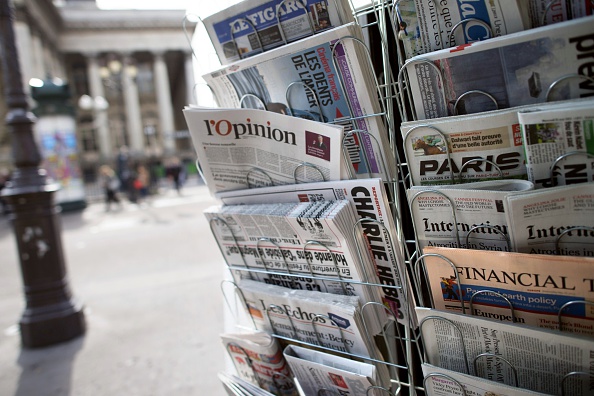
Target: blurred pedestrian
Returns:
[111, 185]
[142, 182]
[174, 172]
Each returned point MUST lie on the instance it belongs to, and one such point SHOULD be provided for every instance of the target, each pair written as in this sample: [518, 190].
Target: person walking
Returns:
[111, 185]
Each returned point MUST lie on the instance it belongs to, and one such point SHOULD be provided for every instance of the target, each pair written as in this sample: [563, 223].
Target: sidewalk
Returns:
[149, 279]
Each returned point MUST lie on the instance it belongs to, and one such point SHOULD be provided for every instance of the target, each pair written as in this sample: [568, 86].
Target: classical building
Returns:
[130, 74]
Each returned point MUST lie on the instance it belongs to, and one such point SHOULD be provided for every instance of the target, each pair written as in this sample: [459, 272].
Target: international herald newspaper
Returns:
[541, 357]
[537, 286]
[371, 205]
[244, 148]
[515, 69]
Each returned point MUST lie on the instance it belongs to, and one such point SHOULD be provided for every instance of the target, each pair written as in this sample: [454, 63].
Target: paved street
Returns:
[149, 279]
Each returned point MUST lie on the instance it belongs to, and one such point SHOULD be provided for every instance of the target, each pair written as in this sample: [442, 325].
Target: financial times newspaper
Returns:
[470, 216]
[325, 78]
[537, 287]
[540, 221]
[481, 147]
[555, 130]
[515, 69]
[370, 202]
[252, 26]
[541, 357]
[243, 148]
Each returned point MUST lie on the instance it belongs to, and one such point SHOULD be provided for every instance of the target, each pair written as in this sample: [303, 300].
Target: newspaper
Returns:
[538, 220]
[314, 240]
[317, 371]
[427, 25]
[320, 79]
[518, 70]
[554, 130]
[253, 26]
[541, 358]
[477, 220]
[437, 384]
[370, 202]
[494, 136]
[243, 148]
[235, 386]
[258, 358]
[563, 10]
[328, 320]
[537, 287]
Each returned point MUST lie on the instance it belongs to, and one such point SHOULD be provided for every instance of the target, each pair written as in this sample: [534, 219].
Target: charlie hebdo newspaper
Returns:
[253, 26]
[243, 148]
[368, 198]
[494, 136]
[518, 70]
[536, 285]
[554, 130]
[318, 371]
[258, 358]
[442, 382]
[326, 78]
[540, 221]
[476, 220]
[541, 357]
[310, 239]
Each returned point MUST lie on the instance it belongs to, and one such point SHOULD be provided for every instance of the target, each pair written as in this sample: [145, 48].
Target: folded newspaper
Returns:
[540, 358]
[235, 386]
[312, 243]
[519, 69]
[325, 78]
[258, 358]
[530, 289]
[243, 148]
[471, 215]
[559, 140]
[319, 371]
[556, 220]
[253, 26]
[368, 198]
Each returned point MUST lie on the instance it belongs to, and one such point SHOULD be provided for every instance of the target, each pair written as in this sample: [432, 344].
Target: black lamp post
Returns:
[50, 315]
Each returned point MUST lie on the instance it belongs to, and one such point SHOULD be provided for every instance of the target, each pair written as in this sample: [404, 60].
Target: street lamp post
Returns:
[50, 315]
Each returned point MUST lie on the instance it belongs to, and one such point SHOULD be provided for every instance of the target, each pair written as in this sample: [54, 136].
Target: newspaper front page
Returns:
[243, 148]
[537, 287]
[540, 221]
[541, 358]
[555, 130]
[564, 10]
[516, 69]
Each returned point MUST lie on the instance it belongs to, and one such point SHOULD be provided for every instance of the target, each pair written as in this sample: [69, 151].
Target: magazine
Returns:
[470, 216]
[320, 78]
[258, 358]
[555, 130]
[518, 70]
[541, 358]
[540, 221]
[530, 289]
[253, 26]
[481, 147]
[368, 198]
[243, 148]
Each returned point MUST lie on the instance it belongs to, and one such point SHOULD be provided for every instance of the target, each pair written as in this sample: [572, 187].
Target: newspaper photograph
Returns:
[258, 358]
[370, 202]
[541, 358]
[521, 68]
[245, 148]
[541, 221]
[439, 385]
[481, 147]
[325, 78]
[470, 216]
[530, 289]
[556, 130]
[253, 26]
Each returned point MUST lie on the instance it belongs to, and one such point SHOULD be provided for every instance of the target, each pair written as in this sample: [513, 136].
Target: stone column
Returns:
[37, 54]
[190, 82]
[24, 44]
[132, 104]
[99, 115]
[166, 124]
